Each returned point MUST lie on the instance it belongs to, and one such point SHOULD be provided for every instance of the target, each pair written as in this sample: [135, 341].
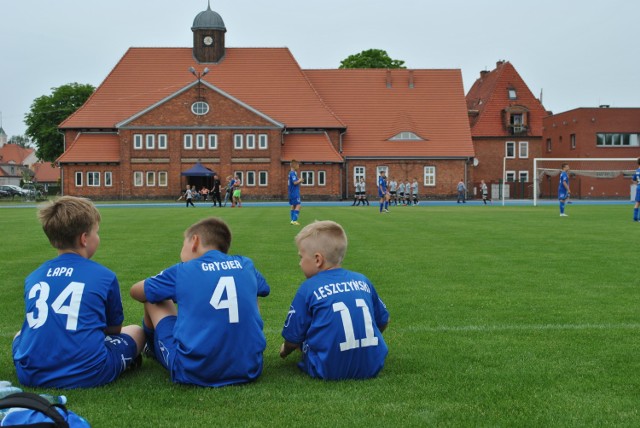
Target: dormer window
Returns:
[512, 94]
[404, 136]
[515, 120]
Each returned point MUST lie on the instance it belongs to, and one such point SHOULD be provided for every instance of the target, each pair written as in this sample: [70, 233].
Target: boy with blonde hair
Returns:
[72, 336]
[201, 316]
[336, 318]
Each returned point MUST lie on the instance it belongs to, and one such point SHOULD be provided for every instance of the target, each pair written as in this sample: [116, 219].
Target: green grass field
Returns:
[500, 316]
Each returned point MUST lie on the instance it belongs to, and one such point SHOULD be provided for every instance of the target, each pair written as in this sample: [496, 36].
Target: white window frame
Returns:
[379, 169]
[322, 178]
[235, 176]
[512, 93]
[138, 179]
[573, 143]
[510, 176]
[108, 179]
[163, 179]
[251, 178]
[201, 141]
[187, 141]
[429, 176]
[524, 174]
[309, 178]
[263, 141]
[137, 141]
[511, 144]
[523, 146]
[251, 141]
[358, 173]
[78, 179]
[263, 178]
[213, 141]
[149, 141]
[200, 108]
[150, 177]
[93, 179]
[238, 141]
[162, 141]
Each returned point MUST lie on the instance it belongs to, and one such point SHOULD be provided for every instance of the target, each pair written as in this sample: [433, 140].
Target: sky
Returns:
[576, 53]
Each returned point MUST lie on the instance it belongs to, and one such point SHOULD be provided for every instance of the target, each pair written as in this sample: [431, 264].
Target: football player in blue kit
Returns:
[564, 192]
[294, 192]
[336, 318]
[383, 193]
[72, 336]
[636, 179]
[212, 335]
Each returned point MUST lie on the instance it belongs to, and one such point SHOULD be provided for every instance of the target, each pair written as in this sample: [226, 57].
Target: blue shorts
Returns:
[562, 196]
[121, 351]
[638, 193]
[164, 342]
[294, 200]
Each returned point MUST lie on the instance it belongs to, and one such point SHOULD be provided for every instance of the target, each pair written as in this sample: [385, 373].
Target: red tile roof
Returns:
[377, 104]
[267, 79]
[94, 147]
[14, 153]
[489, 97]
[45, 172]
[309, 148]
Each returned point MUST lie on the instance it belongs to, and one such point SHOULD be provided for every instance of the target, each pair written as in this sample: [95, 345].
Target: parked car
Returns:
[13, 190]
[4, 193]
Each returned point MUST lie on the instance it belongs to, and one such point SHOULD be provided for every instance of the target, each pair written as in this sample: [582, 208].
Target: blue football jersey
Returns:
[335, 316]
[294, 189]
[564, 178]
[69, 301]
[218, 328]
[382, 184]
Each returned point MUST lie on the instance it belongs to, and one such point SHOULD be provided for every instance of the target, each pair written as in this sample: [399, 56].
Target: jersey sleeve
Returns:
[381, 314]
[298, 320]
[162, 286]
[263, 287]
[114, 311]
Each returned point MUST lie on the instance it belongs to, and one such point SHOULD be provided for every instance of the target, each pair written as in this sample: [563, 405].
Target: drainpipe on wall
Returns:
[64, 149]
[345, 191]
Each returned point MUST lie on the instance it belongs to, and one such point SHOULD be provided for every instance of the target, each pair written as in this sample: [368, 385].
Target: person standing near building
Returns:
[237, 192]
[393, 191]
[414, 191]
[188, 196]
[215, 191]
[401, 192]
[636, 179]
[363, 192]
[356, 195]
[294, 192]
[383, 194]
[484, 190]
[564, 192]
[462, 189]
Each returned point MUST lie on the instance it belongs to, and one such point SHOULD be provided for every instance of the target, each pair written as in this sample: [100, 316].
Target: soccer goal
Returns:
[589, 178]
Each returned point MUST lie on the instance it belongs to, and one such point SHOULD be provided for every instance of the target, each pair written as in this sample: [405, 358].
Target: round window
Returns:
[200, 108]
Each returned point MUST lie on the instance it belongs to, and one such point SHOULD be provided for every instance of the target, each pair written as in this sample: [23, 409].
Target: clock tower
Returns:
[208, 36]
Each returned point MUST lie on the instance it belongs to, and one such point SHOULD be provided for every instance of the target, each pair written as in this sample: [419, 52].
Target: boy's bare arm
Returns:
[137, 292]
[287, 348]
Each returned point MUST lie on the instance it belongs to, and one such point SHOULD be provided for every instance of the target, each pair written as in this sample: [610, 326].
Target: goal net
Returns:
[589, 178]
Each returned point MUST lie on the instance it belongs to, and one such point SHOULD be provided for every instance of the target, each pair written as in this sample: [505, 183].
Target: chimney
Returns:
[483, 73]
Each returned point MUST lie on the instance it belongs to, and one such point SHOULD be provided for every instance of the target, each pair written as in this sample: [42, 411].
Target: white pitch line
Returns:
[524, 327]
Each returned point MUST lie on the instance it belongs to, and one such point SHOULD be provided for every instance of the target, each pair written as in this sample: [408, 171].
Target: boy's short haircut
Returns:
[325, 237]
[564, 164]
[66, 218]
[213, 232]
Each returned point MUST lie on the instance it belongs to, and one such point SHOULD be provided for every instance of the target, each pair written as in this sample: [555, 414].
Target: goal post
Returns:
[600, 178]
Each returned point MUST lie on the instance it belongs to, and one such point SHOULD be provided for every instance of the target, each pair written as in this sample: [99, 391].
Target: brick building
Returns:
[251, 111]
[593, 133]
[506, 129]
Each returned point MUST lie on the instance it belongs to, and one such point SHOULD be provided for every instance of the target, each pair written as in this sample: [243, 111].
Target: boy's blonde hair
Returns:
[325, 237]
[213, 233]
[66, 218]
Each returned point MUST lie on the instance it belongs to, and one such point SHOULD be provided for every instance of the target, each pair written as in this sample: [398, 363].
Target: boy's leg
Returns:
[162, 316]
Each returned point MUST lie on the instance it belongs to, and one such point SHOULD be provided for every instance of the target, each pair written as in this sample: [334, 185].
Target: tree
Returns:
[48, 111]
[372, 58]
[20, 140]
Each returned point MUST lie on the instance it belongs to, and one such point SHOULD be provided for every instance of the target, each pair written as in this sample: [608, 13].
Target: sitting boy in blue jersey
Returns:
[214, 336]
[72, 336]
[336, 317]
